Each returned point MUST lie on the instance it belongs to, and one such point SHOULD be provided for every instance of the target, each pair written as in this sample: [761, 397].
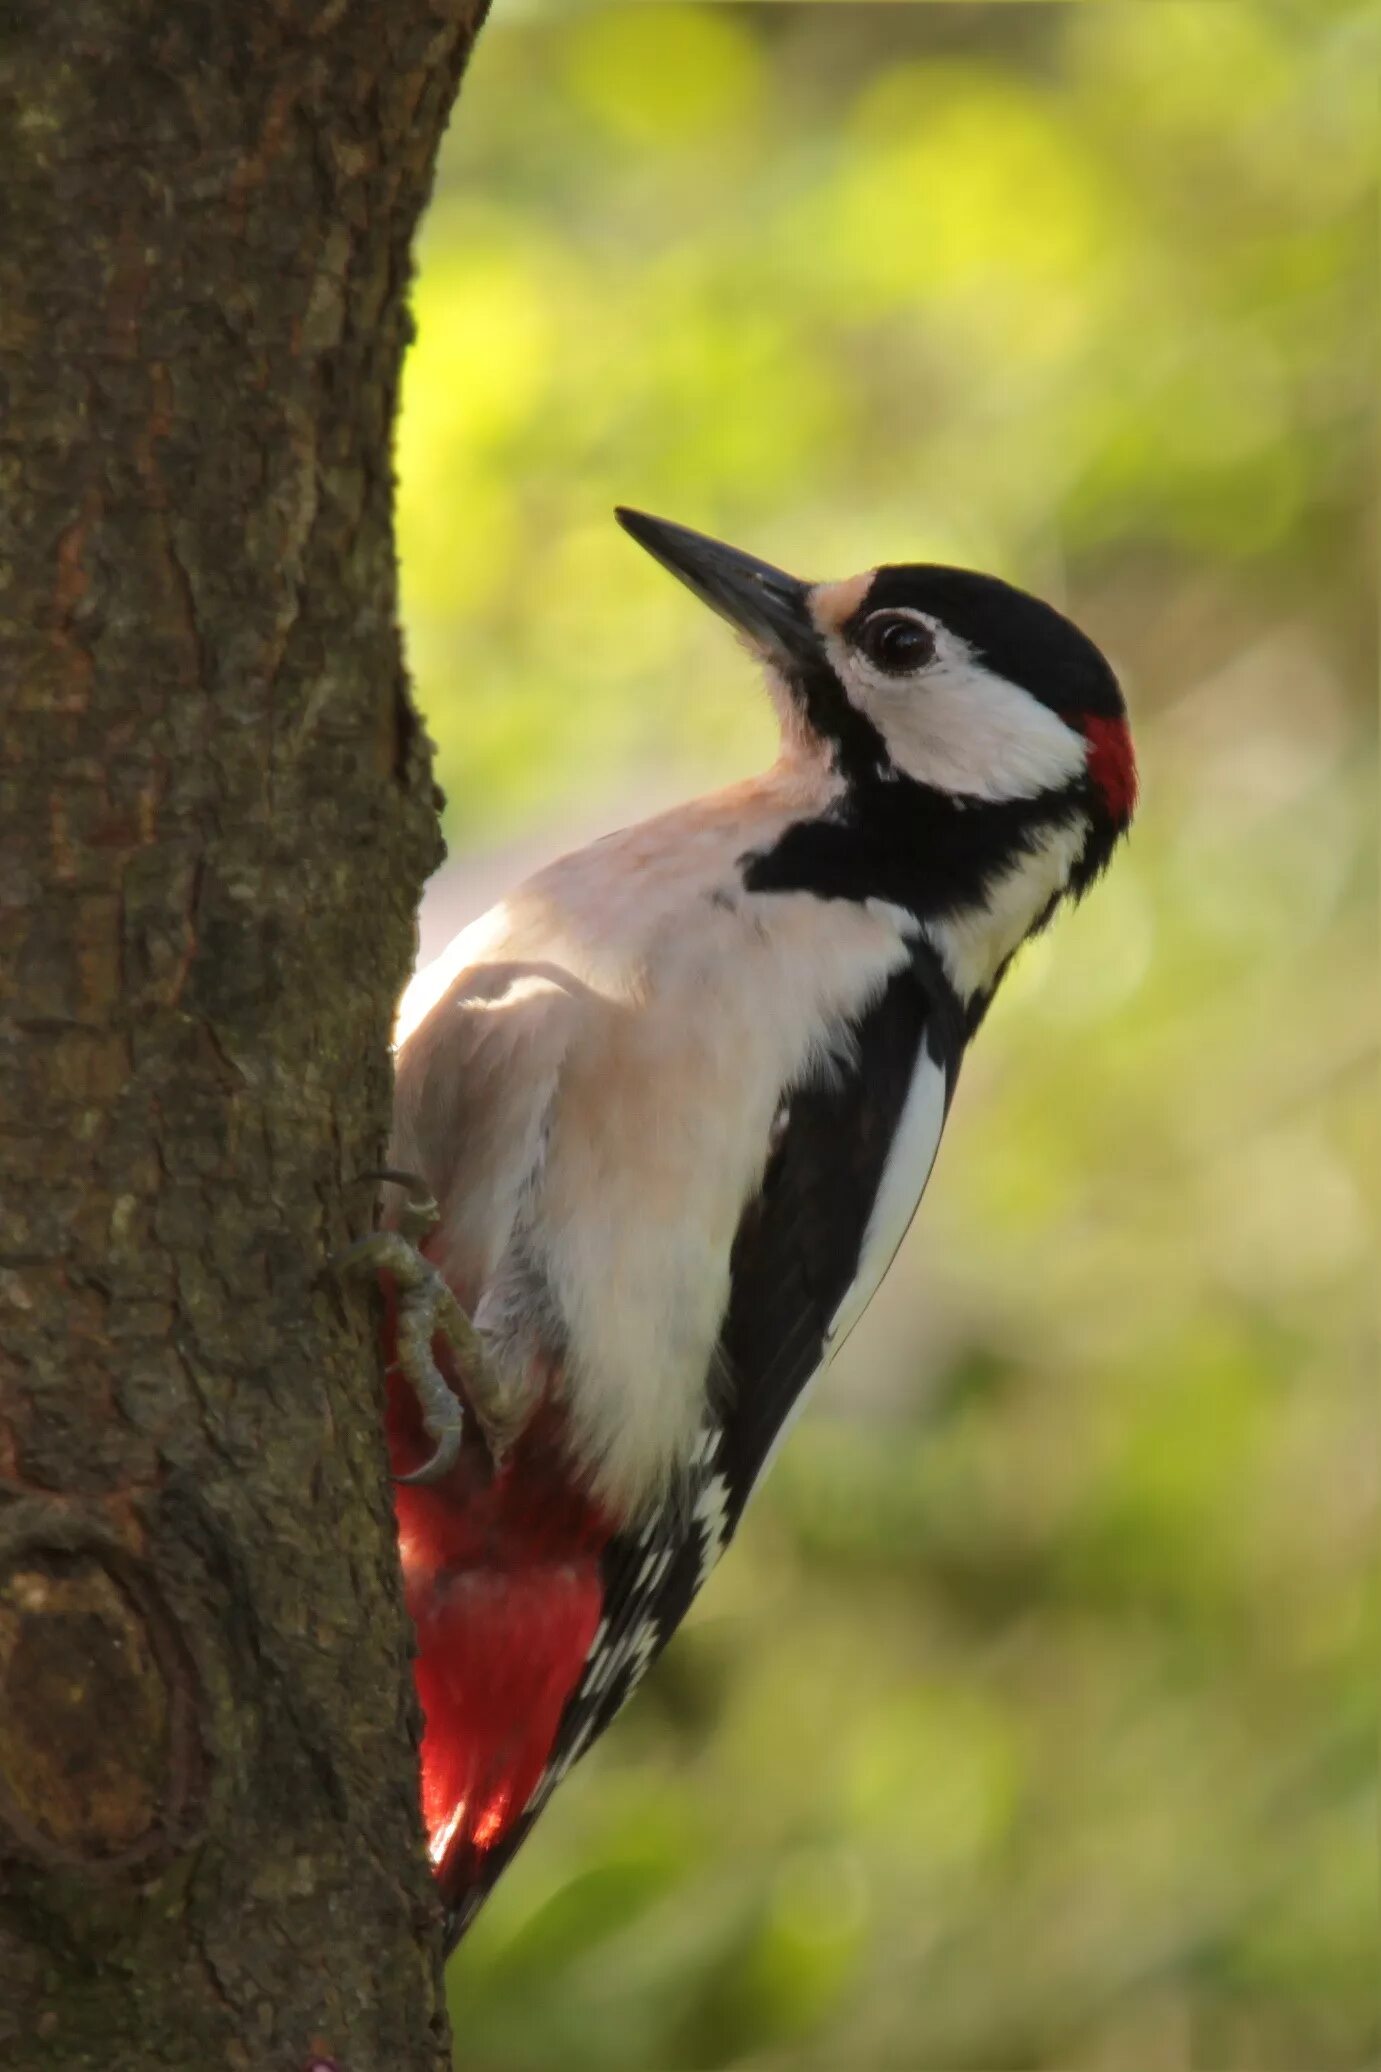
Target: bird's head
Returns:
[955, 684]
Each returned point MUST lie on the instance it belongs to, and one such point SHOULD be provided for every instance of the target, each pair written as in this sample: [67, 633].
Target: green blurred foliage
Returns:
[1032, 1720]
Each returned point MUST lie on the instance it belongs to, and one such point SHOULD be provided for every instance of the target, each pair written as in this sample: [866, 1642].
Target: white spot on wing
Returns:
[705, 1446]
[602, 1665]
[712, 1516]
[640, 1654]
[904, 1176]
[631, 1653]
[653, 1569]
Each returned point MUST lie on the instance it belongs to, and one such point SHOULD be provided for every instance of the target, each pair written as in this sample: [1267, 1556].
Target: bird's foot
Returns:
[427, 1309]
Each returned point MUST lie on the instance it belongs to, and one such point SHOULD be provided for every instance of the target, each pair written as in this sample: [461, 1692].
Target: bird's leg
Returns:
[427, 1307]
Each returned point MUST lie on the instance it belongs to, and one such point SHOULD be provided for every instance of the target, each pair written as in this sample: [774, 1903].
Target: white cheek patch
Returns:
[960, 727]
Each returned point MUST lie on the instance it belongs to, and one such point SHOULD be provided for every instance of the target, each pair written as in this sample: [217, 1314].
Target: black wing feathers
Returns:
[793, 1260]
[797, 1248]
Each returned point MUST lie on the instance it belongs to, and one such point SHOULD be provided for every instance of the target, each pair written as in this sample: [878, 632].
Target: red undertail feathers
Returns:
[502, 1580]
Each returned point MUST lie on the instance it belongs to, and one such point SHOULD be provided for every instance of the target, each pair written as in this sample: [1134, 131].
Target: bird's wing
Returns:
[474, 1079]
[854, 1148]
[853, 1156]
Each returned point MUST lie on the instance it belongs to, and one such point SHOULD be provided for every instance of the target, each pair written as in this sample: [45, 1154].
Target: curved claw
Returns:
[426, 1307]
[445, 1424]
[421, 1212]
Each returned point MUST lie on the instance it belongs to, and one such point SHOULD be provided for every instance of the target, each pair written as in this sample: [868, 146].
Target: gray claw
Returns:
[421, 1212]
[425, 1306]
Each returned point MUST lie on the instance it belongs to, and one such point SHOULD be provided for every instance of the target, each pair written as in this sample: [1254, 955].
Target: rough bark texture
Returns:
[215, 815]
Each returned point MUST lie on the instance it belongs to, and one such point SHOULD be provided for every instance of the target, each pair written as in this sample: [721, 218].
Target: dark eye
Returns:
[896, 642]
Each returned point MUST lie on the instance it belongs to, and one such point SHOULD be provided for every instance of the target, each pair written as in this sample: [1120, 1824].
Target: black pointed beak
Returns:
[762, 602]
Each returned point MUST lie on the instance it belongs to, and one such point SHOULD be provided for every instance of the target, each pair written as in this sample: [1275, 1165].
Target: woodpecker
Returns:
[675, 1101]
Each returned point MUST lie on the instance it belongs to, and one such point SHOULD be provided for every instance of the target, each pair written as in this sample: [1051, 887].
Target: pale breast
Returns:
[598, 1077]
[660, 1130]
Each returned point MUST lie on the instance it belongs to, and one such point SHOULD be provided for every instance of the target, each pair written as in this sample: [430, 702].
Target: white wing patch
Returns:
[903, 1183]
[904, 1178]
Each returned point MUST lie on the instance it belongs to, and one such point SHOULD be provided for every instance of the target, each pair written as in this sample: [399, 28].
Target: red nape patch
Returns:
[1112, 763]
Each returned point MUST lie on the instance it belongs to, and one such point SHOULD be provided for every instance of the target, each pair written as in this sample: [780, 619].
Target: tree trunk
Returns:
[216, 812]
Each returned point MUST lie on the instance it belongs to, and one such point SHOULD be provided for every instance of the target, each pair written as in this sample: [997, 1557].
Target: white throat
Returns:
[974, 943]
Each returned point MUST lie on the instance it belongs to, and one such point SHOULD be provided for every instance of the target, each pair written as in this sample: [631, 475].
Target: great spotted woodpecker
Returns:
[676, 1100]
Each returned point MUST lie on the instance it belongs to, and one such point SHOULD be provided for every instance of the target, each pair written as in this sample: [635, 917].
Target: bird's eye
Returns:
[895, 642]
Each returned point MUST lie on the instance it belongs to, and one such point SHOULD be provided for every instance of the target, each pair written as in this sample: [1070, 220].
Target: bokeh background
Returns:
[1032, 1720]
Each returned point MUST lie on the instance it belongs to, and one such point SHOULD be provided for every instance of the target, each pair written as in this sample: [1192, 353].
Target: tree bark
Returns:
[216, 812]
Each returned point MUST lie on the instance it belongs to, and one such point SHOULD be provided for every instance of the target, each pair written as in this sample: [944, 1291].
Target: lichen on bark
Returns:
[216, 812]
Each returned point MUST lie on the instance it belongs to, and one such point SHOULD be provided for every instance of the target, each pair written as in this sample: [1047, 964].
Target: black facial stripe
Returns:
[860, 751]
[906, 843]
[1012, 633]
